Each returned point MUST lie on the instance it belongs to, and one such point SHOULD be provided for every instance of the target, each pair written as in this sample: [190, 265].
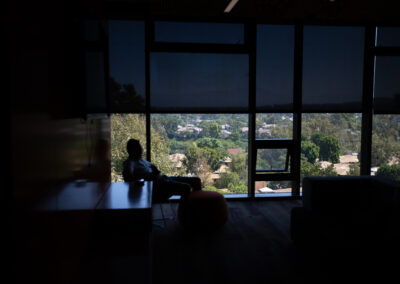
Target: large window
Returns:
[274, 125]
[211, 146]
[127, 65]
[123, 128]
[214, 33]
[388, 36]
[386, 146]
[333, 68]
[330, 144]
[387, 86]
[206, 88]
[275, 63]
[197, 81]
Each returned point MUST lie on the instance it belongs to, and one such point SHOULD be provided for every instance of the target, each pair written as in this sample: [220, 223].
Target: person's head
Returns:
[134, 149]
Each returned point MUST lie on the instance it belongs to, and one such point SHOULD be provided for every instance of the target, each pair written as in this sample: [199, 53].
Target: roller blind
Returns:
[387, 84]
[275, 61]
[127, 66]
[198, 81]
[333, 68]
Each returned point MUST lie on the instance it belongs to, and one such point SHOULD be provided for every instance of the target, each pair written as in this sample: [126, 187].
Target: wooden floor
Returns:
[254, 246]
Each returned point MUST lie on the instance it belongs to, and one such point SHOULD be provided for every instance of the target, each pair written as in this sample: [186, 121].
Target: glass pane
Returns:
[182, 81]
[330, 144]
[199, 32]
[387, 85]
[275, 60]
[210, 146]
[333, 68]
[388, 36]
[127, 66]
[271, 160]
[265, 188]
[123, 128]
[95, 83]
[386, 146]
[274, 125]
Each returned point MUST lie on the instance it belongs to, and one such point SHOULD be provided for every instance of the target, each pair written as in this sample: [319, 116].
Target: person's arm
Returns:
[155, 170]
[127, 172]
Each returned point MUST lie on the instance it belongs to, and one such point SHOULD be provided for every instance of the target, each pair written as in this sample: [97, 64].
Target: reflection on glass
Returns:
[386, 146]
[330, 144]
[333, 59]
[127, 66]
[183, 81]
[275, 61]
[199, 32]
[387, 84]
[210, 146]
[388, 36]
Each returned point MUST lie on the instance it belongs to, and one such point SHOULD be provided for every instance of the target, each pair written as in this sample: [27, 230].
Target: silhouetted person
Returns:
[136, 168]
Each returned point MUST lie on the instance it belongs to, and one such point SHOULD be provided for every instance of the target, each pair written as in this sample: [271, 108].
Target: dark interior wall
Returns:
[51, 139]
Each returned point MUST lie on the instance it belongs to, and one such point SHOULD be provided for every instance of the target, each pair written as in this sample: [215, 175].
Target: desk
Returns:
[83, 222]
[127, 196]
[122, 226]
[125, 208]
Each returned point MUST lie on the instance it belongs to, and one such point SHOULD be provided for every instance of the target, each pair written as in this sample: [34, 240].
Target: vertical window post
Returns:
[250, 39]
[368, 91]
[297, 101]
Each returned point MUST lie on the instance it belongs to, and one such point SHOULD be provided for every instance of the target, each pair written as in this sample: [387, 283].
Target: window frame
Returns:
[250, 47]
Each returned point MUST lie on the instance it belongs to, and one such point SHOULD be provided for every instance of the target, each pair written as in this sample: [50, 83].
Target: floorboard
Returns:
[254, 246]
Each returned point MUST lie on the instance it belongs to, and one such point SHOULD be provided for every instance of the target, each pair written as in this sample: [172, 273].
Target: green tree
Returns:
[239, 166]
[192, 158]
[310, 151]
[316, 138]
[329, 149]
[227, 178]
[124, 127]
[208, 142]
[354, 169]
[211, 129]
[214, 157]
[310, 169]
[213, 188]
[124, 95]
[391, 171]
[231, 181]
[235, 136]
[385, 139]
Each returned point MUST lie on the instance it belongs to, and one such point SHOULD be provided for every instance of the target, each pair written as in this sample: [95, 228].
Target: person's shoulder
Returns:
[127, 162]
[145, 162]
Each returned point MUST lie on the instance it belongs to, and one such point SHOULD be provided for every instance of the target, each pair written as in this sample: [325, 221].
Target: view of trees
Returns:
[214, 146]
[385, 139]
[330, 144]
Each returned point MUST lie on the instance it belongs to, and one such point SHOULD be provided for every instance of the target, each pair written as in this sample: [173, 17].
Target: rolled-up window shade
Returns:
[333, 68]
[197, 81]
[387, 84]
[127, 66]
[214, 33]
[275, 61]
